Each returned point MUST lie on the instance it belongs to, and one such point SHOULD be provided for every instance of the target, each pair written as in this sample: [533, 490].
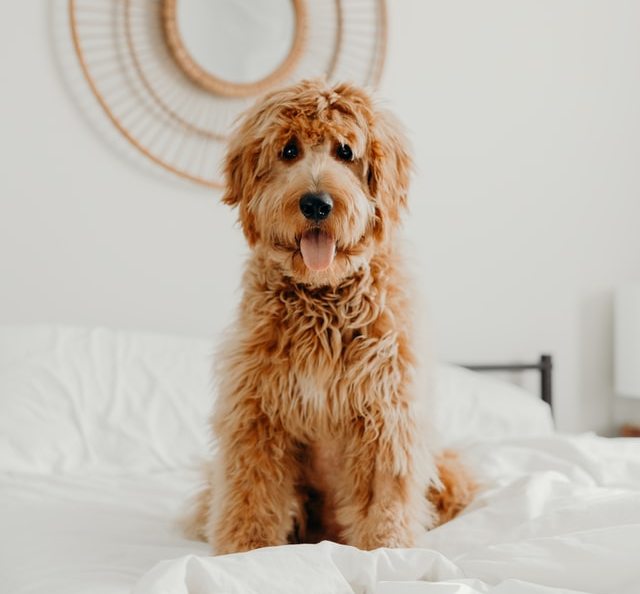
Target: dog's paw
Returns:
[384, 527]
[242, 538]
[241, 546]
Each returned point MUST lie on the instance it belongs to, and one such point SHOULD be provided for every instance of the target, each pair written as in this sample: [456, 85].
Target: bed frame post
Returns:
[546, 373]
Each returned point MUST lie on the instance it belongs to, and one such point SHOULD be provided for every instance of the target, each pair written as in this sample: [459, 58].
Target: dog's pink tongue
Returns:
[318, 249]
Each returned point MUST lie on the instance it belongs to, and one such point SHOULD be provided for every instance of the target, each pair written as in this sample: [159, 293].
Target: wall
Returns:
[524, 118]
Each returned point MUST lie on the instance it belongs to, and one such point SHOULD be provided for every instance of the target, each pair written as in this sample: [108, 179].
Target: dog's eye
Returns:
[290, 151]
[344, 153]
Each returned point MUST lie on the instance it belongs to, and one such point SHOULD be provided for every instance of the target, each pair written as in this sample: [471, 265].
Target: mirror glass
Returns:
[240, 41]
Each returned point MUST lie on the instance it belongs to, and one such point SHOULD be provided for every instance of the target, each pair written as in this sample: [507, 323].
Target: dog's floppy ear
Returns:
[389, 169]
[241, 177]
[232, 174]
[247, 160]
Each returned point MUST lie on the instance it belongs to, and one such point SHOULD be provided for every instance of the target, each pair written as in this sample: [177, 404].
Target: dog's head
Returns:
[320, 176]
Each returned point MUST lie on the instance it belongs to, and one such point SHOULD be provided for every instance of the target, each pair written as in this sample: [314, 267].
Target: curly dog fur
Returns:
[320, 431]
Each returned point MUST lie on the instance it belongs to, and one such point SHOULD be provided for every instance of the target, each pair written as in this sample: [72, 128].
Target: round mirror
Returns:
[235, 48]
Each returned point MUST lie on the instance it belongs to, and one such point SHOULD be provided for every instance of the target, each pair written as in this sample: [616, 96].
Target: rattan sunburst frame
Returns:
[196, 83]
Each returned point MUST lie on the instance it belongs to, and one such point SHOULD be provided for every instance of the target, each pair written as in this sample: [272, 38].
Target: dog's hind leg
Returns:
[196, 518]
[457, 487]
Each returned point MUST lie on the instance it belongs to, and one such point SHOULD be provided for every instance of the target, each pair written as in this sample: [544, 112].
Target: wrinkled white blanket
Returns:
[558, 514]
[101, 432]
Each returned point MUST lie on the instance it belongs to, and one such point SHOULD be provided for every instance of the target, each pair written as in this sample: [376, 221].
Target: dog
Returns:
[320, 428]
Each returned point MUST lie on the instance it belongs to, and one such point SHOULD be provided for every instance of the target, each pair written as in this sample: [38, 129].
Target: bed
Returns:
[102, 433]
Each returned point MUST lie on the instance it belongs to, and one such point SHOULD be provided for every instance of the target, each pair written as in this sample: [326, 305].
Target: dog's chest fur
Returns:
[328, 343]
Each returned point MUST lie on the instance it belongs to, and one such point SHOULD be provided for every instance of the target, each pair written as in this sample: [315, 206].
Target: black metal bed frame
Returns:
[544, 365]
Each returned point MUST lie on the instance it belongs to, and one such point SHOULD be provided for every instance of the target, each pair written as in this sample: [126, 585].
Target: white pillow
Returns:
[472, 406]
[77, 399]
[96, 399]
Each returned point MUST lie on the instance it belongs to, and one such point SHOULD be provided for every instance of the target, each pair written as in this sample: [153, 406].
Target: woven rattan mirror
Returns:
[172, 75]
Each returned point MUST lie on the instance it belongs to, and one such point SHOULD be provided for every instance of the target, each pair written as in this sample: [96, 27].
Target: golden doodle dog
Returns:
[318, 420]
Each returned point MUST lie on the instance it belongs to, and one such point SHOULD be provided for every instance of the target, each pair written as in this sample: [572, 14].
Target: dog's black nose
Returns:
[316, 206]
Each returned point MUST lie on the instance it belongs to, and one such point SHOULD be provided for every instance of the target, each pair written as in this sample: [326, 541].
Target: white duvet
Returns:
[100, 434]
[558, 514]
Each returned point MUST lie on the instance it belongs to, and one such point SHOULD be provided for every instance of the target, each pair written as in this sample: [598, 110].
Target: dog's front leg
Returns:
[383, 503]
[253, 495]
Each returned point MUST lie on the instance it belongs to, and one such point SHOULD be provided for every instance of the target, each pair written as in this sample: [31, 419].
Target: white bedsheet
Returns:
[558, 514]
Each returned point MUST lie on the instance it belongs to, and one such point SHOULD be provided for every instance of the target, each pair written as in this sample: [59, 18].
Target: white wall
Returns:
[526, 204]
